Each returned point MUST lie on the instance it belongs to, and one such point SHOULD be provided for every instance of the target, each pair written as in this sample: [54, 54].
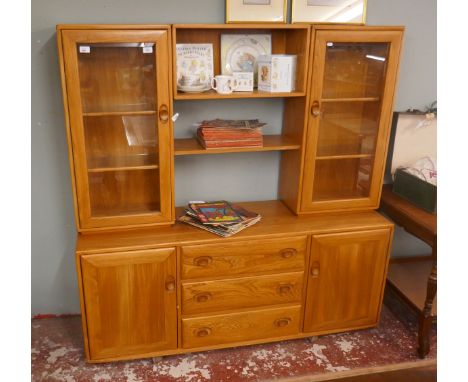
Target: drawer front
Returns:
[245, 292]
[238, 327]
[253, 256]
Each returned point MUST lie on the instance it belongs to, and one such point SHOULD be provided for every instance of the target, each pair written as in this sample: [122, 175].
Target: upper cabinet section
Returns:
[117, 91]
[239, 52]
[351, 97]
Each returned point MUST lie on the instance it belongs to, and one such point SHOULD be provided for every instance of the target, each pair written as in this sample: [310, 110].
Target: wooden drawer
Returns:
[238, 327]
[253, 256]
[245, 292]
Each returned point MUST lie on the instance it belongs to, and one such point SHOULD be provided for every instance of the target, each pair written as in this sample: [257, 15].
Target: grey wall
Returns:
[243, 177]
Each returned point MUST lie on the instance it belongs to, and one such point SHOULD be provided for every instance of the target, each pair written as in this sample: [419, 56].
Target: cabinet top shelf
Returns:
[211, 94]
[242, 26]
[276, 220]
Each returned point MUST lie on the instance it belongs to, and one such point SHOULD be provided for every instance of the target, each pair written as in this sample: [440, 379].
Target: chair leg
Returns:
[425, 318]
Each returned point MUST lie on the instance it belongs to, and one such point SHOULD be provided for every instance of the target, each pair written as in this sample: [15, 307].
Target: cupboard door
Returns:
[130, 302]
[346, 280]
[119, 105]
[352, 89]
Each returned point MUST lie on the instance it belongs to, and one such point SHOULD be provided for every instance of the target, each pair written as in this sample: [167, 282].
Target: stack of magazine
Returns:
[221, 217]
[229, 133]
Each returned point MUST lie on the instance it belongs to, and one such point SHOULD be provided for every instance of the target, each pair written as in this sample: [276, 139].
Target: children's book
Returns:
[215, 212]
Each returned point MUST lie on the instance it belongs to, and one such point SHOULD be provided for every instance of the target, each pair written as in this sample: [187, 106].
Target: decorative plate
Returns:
[239, 52]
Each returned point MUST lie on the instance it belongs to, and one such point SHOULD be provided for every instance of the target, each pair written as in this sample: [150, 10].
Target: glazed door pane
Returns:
[350, 109]
[118, 93]
[118, 84]
[352, 88]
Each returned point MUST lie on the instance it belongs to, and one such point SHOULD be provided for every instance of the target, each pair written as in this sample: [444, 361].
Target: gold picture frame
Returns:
[256, 11]
[329, 11]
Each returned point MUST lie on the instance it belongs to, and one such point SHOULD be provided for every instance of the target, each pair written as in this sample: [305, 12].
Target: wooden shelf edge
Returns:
[236, 95]
[123, 168]
[351, 99]
[242, 25]
[118, 113]
[350, 156]
[190, 146]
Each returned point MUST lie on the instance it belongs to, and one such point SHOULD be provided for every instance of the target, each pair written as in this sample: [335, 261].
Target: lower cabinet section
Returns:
[130, 302]
[238, 327]
[151, 302]
[346, 280]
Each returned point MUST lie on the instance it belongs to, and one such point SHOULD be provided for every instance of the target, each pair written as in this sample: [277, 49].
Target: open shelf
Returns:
[190, 146]
[410, 279]
[211, 94]
[285, 39]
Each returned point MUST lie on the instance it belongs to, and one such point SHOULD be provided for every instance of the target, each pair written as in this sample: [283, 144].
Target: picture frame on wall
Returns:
[329, 11]
[256, 11]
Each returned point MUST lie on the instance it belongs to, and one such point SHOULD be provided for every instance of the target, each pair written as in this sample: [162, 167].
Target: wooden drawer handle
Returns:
[282, 322]
[287, 253]
[315, 271]
[170, 284]
[285, 289]
[203, 261]
[203, 332]
[203, 297]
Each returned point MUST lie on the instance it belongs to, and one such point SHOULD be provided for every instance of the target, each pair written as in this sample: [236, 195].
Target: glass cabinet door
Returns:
[352, 93]
[118, 89]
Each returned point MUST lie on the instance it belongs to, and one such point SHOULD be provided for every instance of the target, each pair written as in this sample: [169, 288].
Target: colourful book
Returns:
[215, 212]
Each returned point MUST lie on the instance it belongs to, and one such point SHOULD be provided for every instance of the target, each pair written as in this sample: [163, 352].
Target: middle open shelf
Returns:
[191, 146]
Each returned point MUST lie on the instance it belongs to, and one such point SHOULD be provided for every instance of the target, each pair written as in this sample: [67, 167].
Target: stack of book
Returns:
[223, 133]
[221, 217]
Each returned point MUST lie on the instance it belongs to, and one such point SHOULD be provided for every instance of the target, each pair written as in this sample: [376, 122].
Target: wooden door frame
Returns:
[162, 255]
[75, 129]
[317, 57]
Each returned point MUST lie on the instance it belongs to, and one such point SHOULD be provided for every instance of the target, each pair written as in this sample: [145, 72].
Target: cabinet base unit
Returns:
[150, 292]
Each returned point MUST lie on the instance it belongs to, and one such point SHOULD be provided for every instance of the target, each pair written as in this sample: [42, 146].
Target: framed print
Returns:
[261, 11]
[329, 11]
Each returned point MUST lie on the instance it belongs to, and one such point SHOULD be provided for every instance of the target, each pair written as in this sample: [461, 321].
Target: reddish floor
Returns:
[57, 355]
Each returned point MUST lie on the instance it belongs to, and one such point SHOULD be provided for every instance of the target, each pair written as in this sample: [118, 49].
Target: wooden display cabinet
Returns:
[151, 291]
[116, 86]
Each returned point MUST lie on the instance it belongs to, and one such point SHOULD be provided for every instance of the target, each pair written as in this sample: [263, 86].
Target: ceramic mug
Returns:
[224, 84]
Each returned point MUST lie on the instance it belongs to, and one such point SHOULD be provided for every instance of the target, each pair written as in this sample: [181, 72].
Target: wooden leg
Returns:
[425, 318]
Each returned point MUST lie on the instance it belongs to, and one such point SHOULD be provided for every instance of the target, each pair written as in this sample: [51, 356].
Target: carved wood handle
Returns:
[203, 297]
[285, 289]
[202, 261]
[282, 322]
[315, 271]
[287, 253]
[315, 110]
[163, 113]
[203, 332]
[170, 284]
